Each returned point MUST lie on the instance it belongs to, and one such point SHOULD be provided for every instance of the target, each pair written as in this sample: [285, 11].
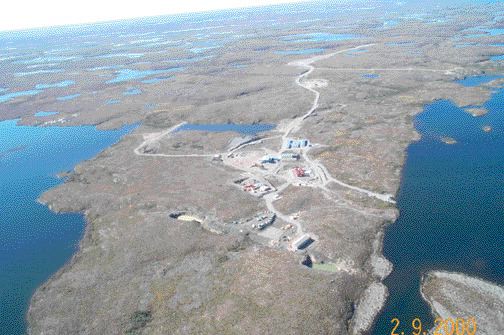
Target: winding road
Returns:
[324, 177]
[307, 63]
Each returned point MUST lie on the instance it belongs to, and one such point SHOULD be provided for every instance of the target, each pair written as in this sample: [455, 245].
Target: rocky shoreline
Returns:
[139, 271]
[455, 295]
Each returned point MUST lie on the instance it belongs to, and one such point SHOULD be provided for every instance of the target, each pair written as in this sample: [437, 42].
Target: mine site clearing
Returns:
[291, 164]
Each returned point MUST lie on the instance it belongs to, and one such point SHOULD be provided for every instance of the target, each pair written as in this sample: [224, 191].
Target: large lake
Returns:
[451, 207]
[35, 242]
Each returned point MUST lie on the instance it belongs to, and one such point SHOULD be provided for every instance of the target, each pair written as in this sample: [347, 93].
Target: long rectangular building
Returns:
[302, 242]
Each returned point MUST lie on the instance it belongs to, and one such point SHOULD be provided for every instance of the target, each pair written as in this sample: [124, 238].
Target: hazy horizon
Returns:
[30, 14]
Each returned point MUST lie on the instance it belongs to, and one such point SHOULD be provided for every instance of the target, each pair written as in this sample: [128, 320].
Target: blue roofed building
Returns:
[297, 144]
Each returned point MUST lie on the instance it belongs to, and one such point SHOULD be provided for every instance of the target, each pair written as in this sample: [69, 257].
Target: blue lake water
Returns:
[132, 75]
[473, 81]
[113, 102]
[100, 68]
[35, 242]
[202, 46]
[475, 35]
[122, 55]
[495, 31]
[13, 95]
[450, 202]
[145, 40]
[60, 84]
[46, 59]
[240, 66]
[132, 91]
[38, 89]
[189, 59]
[370, 75]
[318, 37]
[158, 44]
[201, 50]
[497, 58]
[485, 32]
[68, 97]
[246, 129]
[150, 106]
[301, 52]
[44, 65]
[40, 114]
[465, 45]
[390, 23]
[31, 73]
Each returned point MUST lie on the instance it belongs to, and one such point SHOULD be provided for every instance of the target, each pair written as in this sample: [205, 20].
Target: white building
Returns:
[290, 156]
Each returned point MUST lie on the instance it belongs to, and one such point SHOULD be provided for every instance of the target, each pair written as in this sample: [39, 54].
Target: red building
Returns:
[298, 172]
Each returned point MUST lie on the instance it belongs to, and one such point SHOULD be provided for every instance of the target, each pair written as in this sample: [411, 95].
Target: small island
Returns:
[448, 140]
[477, 111]
[455, 295]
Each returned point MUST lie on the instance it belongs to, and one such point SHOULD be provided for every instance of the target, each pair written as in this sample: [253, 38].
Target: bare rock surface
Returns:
[140, 271]
[368, 307]
[455, 295]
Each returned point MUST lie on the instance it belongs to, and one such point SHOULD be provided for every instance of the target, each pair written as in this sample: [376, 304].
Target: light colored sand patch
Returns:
[271, 233]
[245, 160]
[448, 140]
[189, 218]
